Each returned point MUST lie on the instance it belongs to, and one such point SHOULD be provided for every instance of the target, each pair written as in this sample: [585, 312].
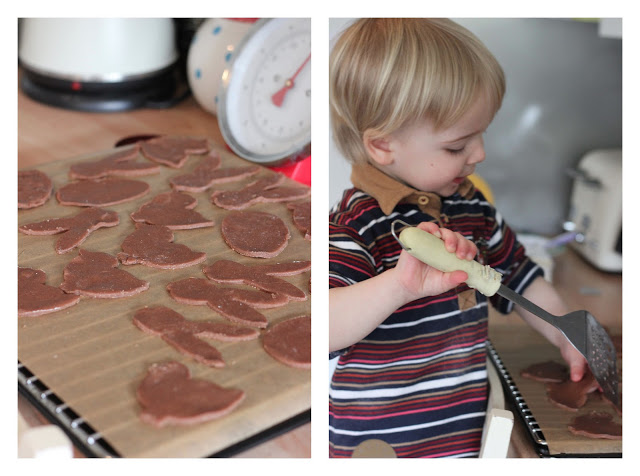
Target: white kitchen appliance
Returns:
[98, 64]
[595, 215]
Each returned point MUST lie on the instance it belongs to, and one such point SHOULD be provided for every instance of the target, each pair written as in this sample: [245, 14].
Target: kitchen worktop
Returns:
[582, 287]
[47, 134]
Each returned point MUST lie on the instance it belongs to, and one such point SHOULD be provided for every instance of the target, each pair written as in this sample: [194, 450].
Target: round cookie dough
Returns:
[289, 342]
[255, 234]
[34, 188]
[596, 425]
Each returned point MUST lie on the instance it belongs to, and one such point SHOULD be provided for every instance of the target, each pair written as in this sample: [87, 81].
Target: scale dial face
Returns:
[265, 100]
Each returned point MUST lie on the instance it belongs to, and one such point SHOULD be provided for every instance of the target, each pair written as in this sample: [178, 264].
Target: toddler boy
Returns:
[410, 102]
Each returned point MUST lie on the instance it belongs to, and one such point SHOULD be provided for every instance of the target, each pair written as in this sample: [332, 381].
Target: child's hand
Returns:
[420, 280]
[542, 293]
[574, 359]
[356, 310]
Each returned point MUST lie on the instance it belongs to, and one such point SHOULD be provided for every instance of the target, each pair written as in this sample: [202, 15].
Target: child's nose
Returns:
[478, 154]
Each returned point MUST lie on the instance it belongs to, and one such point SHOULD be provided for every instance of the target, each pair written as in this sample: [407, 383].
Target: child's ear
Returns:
[378, 148]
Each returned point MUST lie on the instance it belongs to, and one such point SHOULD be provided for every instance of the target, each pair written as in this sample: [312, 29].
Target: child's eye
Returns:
[455, 151]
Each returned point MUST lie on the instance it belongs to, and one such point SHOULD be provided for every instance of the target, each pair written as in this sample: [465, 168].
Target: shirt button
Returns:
[423, 200]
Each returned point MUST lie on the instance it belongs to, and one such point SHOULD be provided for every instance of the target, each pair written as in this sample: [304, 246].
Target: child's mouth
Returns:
[458, 180]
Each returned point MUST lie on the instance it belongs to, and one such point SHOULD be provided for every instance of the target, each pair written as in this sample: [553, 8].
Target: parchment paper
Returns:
[93, 357]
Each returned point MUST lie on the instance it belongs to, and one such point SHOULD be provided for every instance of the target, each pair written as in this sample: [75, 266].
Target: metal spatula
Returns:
[580, 328]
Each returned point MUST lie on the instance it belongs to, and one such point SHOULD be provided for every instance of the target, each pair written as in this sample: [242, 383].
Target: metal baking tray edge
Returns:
[83, 436]
[93, 445]
[513, 395]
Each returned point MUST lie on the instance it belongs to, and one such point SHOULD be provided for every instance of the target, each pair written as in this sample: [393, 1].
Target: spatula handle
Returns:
[431, 250]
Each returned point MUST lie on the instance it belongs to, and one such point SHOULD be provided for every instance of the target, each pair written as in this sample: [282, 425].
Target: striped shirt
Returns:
[418, 381]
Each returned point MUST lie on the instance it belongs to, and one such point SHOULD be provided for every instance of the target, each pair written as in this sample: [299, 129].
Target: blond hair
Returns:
[389, 73]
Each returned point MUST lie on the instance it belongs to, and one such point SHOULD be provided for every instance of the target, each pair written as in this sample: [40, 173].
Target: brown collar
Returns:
[389, 192]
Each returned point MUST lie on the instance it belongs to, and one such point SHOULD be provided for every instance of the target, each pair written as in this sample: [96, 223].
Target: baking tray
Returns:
[81, 366]
[545, 424]
[86, 439]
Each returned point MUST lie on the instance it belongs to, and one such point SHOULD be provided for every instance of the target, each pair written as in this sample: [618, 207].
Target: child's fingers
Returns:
[430, 227]
[575, 360]
[453, 242]
[577, 366]
[468, 250]
[463, 248]
[576, 372]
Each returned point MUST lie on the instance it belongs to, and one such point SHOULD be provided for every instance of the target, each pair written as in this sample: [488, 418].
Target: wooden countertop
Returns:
[47, 134]
[582, 287]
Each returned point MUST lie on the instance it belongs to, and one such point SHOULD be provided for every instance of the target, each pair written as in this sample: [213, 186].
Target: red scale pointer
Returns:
[278, 98]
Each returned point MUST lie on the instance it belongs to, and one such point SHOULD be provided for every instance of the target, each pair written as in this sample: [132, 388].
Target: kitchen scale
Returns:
[264, 101]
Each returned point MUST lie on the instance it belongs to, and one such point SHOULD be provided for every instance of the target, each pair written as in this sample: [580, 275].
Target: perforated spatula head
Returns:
[601, 357]
[590, 339]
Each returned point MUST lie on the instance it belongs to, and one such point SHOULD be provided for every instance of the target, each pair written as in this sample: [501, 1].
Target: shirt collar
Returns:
[388, 192]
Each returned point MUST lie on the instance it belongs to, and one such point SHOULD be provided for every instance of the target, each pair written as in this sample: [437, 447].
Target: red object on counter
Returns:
[297, 169]
[300, 170]
[245, 20]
